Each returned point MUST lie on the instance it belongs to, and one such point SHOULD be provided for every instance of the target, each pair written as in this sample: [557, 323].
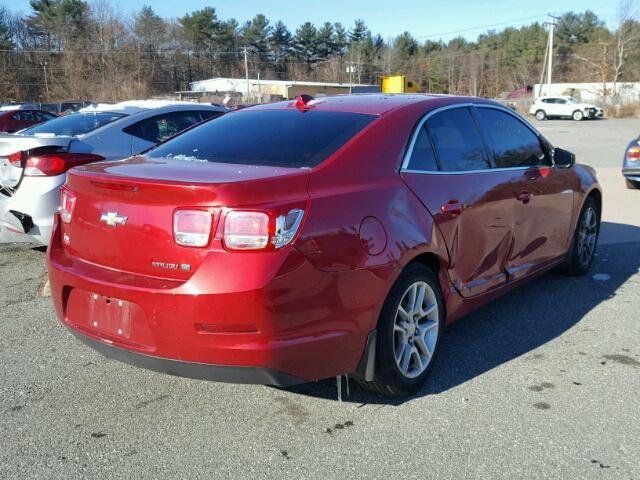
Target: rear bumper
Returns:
[282, 323]
[36, 198]
[631, 173]
[200, 371]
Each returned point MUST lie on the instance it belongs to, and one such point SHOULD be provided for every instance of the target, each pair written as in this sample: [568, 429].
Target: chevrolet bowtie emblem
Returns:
[113, 219]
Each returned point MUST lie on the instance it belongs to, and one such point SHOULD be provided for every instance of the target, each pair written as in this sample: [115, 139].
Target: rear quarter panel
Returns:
[362, 181]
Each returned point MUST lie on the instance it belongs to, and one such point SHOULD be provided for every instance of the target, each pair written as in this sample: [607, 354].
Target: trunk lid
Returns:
[11, 175]
[147, 192]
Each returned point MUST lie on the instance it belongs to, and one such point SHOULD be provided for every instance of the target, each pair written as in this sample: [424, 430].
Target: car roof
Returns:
[368, 103]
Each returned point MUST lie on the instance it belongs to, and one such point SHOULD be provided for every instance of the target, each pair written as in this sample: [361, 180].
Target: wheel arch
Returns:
[596, 194]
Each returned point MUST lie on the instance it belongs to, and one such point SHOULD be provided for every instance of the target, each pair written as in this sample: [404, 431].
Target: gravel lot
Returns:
[542, 384]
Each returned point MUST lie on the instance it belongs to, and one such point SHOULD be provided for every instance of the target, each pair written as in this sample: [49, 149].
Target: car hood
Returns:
[585, 105]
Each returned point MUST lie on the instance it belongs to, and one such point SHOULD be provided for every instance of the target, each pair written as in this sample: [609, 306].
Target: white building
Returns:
[277, 89]
[597, 93]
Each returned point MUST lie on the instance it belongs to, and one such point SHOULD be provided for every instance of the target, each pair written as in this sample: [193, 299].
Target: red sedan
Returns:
[14, 120]
[297, 241]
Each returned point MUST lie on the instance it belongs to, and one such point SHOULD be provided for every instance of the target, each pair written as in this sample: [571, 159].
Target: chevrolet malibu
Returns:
[298, 241]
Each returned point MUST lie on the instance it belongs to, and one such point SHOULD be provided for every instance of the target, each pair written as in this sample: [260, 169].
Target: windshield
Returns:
[74, 124]
[281, 138]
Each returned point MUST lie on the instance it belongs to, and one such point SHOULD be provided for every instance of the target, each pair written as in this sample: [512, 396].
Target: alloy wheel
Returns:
[587, 235]
[415, 329]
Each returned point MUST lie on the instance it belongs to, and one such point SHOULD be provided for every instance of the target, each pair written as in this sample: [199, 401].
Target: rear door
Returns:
[543, 204]
[448, 168]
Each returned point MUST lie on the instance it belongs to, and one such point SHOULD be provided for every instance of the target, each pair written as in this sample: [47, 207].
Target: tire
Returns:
[578, 260]
[631, 184]
[395, 340]
[541, 115]
[577, 115]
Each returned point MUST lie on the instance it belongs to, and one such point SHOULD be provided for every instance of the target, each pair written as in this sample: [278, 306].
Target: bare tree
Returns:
[628, 32]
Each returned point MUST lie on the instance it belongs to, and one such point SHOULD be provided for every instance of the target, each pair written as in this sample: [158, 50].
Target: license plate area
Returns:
[110, 315]
[110, 319]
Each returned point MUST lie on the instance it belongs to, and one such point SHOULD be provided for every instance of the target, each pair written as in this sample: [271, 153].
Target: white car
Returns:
[34, 162]
[564, 107]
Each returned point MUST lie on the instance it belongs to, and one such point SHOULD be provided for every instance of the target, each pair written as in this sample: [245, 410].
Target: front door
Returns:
[543, 195]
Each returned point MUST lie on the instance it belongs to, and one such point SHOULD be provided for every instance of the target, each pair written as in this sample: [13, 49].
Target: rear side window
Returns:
[25, 115]
[285, 138]
[423, 157]
[457, 141]
[209, 114]
[160, 127]
[512, 143]
[74, 124]
[44, 116]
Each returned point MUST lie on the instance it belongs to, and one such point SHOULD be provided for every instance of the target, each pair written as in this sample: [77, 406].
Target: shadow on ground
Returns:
[527, 318]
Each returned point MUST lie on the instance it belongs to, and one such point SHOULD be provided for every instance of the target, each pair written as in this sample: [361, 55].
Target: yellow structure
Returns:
[398, 84]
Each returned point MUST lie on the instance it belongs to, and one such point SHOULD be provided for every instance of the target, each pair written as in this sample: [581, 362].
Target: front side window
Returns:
[457, 141]
[281, 138]
[512, 143]
[74, 124]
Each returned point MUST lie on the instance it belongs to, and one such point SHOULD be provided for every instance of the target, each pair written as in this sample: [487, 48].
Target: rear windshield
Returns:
[281, 138]
[74, 124]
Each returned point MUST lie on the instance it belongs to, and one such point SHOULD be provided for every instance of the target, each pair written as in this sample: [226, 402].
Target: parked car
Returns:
[564, 107]
[33, 164]
[297, 241]
[13, 120]
[631, 164]
[64, 108]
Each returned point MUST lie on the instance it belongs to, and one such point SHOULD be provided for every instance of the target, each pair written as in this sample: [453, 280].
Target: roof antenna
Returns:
[302, 102]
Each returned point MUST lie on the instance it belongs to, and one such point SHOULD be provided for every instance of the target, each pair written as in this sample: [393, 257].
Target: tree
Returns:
[54, 21]
[578, 28]
[305, 43]
[6, 37]
[280, 40]
[340, 38]
[255, 34]
[405, 46]
[200, 28]
[359, 32]
[326, 41]
[150, 29]
[627, 35]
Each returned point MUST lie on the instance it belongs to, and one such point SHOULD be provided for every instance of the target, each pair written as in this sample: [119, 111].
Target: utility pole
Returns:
[46, 83]
[552, 25]
[246, 73]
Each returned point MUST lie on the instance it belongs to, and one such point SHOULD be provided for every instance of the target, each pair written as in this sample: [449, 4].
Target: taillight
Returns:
[51, 164]
[192, 228]
[255, 230]
[287, 227]
[67, 204]
[633, 154]
[244, 230]
[15, 159]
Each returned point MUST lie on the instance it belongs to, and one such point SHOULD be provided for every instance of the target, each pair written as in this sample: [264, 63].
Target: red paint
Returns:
[305, 309]
[9, 122]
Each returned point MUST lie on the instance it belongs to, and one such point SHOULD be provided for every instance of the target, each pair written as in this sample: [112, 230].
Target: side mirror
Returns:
[563, 158]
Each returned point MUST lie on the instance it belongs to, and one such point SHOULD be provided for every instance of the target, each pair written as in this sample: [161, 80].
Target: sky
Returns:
[423, 18]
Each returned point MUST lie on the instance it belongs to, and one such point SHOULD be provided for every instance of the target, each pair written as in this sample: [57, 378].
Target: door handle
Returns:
[452, 207]
[524, 196]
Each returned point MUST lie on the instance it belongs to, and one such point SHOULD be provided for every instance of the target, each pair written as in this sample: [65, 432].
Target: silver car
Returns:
[34, 162]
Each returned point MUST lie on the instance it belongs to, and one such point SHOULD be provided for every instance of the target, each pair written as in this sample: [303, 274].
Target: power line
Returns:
[481, 27]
